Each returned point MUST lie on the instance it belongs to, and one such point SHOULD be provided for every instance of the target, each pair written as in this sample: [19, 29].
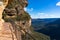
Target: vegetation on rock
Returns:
[39, 36]
[23, 17]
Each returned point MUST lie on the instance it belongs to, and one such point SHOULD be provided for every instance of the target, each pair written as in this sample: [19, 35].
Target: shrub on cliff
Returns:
[24, 16]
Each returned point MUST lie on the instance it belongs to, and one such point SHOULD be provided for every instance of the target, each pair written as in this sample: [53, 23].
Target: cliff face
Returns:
[5, 32]
[19, 21]
[15, 11]
[3, 4]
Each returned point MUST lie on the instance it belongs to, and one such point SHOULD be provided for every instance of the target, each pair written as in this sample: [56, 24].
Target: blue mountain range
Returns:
[50, 27]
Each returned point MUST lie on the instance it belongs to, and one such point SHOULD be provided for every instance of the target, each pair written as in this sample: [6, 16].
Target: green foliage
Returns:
[13, 3]
[24, 16]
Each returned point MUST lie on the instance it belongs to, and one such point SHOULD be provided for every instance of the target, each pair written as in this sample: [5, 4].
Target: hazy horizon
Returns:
[44, 18]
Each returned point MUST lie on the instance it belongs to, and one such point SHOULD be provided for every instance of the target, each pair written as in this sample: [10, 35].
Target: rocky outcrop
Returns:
[6, 33]
[18, 21]
[3, 4]
[15, 11]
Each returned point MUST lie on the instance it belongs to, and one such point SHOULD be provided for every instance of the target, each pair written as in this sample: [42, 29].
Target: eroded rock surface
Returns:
[6, 33]
[3, 4]
[13, 9]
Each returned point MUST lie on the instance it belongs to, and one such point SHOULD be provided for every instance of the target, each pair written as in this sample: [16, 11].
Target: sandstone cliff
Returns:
[15, 11]
[19, 22]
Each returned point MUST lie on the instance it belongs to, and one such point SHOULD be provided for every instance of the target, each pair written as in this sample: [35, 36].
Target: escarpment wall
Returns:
[15, 11]
[16, 22]
[3, 4]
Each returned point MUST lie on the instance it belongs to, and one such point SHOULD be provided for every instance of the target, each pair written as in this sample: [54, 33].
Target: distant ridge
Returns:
[52, 28]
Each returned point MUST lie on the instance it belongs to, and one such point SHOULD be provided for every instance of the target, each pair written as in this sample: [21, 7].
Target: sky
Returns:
[43, 8]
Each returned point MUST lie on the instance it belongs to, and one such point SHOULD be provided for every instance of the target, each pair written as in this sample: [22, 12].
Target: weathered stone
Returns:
[14, 9]
[7, 33]
[18, 27]
[3, 4]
